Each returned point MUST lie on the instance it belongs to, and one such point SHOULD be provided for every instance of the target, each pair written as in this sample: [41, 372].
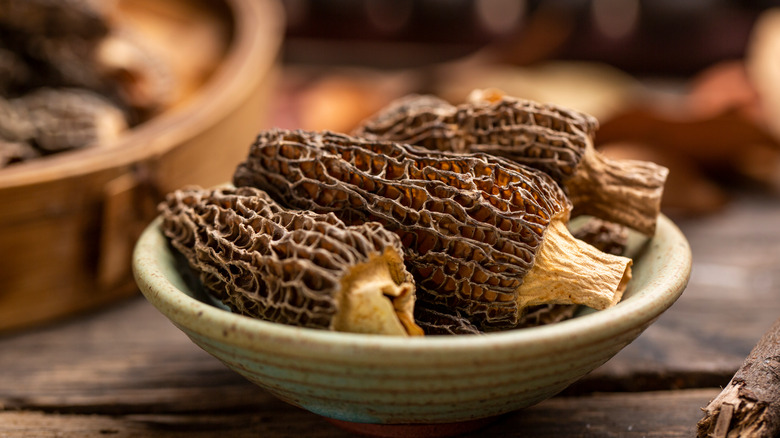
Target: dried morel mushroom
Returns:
[55, 40]
[606, 236]
[84, 19]
[71, 118]
[553, 139]
[139, 78]
[291, 267]
[482, 236]
[14, 152]
[53, 120]
[439, 320]
[76, 44]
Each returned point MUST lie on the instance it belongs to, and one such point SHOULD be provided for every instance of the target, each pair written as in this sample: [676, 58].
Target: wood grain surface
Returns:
[126, 371]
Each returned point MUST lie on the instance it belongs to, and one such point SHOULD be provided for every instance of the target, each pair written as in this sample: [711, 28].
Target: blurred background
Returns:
[688, 84]
[150, 96]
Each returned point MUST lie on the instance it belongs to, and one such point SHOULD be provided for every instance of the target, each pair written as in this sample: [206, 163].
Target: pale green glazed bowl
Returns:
[439, 379]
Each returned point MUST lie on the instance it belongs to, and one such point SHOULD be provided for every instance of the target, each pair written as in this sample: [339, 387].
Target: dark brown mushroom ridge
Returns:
[470, 225]
[544, 136]
[553, 139]
[268, 262]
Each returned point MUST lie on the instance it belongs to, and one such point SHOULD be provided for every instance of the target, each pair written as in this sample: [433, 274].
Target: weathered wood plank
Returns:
[670, 414]
[126, 371]
[733, 297]
[128, 358]
[665, 414]
[750, 404]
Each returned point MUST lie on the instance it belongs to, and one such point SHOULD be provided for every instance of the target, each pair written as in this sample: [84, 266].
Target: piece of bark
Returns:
[749, 406]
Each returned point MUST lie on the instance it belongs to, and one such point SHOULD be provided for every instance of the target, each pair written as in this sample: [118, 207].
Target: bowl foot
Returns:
[434, 430]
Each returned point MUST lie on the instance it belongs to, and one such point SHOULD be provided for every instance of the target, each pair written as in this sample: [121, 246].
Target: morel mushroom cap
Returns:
[70, 118]
[84, 19]
[52, 120]
[14, 152]
[556, 140]
[291, 267]
[481, 235]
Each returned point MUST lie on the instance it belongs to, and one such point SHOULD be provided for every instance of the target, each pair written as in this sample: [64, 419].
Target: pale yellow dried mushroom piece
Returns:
[291, 267]
[556, 140]
[473, 227]
[564, 261]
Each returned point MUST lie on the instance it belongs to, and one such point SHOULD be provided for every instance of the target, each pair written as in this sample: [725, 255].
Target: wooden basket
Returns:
[68, 222]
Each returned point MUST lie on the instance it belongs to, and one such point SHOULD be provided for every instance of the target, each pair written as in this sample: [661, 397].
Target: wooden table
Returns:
[127, 372]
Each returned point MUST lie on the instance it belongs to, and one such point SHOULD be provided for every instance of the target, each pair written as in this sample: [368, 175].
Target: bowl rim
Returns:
[241, 331]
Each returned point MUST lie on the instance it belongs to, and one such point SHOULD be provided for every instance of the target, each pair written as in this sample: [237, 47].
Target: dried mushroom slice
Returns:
[15, 125]
[291, 267]
[553, 139]
[475, 228]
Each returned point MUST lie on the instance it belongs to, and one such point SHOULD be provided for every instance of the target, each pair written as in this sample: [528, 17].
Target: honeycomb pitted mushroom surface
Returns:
[551, 138]
[482, 236]
[291, 267]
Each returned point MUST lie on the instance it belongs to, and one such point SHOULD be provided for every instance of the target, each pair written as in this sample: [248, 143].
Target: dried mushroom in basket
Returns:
[76, 43]
[74, 76]
[291, 267]
[54, 120]
[482, 236]
[55, 41]
[556, 140]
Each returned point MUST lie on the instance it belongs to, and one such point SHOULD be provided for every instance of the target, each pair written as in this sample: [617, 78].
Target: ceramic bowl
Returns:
[382, 380]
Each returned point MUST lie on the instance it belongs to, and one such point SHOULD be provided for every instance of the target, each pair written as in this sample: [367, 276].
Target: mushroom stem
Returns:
[569, 271]
[627, 192]
[375, 300]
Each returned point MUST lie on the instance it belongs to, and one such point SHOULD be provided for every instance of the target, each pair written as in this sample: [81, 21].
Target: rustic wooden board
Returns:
[126, 359]
[667, 414]
[127, 371]
[732, 298]
[700, 341]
